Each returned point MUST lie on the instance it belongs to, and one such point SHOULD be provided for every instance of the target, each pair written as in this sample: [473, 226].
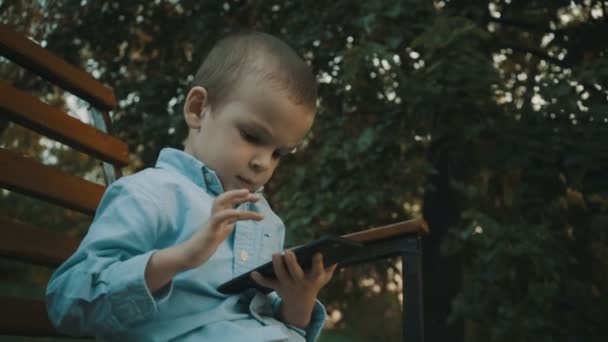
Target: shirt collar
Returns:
[190, 167]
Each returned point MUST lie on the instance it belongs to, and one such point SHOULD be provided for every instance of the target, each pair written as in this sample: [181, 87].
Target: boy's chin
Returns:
[251, 189]
[239, 187]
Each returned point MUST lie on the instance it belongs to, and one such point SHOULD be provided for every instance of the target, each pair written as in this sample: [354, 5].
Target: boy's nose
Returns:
[260, 163]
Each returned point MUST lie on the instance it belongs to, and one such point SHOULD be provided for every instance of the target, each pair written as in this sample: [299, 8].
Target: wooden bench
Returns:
[23, 241]
[41, 246]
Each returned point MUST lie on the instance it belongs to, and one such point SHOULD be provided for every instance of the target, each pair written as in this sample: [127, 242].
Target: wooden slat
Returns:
[28, 176]
[410, 227]
[36, 245]
[24, 317]
[54, 123]
[30, 55]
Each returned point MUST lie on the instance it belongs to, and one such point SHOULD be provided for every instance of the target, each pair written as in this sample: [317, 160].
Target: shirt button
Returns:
[243, 255]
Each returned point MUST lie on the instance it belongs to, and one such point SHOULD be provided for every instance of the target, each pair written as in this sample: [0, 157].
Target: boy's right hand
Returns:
[201, 246]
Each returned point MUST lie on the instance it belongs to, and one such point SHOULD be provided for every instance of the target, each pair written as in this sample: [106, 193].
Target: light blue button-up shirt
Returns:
[101, 290]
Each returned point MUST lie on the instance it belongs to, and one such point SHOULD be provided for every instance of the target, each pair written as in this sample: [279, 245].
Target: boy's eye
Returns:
[250, 137]
[278, 154]
[283, 153]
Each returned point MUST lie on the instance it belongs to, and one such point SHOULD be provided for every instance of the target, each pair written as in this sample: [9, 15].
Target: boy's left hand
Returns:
[297, 289]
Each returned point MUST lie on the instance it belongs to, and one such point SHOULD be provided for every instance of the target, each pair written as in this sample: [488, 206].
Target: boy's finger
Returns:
[293, 267]
[248, 198]
[269, 283]
[238, 215]
[231, 194]
[329, 271]
[317, 265]
[279, 268]
[233, 215]
[236, 201]
[224, 200]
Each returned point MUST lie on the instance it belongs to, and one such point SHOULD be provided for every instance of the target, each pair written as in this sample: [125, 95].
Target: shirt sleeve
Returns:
[317, 319]
[101, 289]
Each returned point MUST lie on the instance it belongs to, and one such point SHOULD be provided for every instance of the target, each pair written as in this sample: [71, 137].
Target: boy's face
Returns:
[244, 139]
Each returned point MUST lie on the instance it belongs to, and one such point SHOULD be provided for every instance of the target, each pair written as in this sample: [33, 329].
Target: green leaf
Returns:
[366, 139]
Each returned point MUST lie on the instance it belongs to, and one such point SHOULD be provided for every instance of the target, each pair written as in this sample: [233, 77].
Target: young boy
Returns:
[165, 238]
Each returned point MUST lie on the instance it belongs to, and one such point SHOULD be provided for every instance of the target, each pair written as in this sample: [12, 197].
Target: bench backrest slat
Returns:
[36, 245]
[23, 241]
[38, 116]
[25, 175]
[26, 317]
[32, 56]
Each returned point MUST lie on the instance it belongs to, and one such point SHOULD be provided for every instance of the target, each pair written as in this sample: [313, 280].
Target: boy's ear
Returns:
[196, 106]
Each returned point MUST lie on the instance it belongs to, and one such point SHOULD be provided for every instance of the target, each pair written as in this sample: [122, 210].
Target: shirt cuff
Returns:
[130, 299]
[317, 320]
[163, 294]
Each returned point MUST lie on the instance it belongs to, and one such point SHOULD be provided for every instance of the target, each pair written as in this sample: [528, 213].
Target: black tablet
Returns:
[334, 250]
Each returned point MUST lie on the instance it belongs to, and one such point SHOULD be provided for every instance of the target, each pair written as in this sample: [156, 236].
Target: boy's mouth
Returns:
[244, 181]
